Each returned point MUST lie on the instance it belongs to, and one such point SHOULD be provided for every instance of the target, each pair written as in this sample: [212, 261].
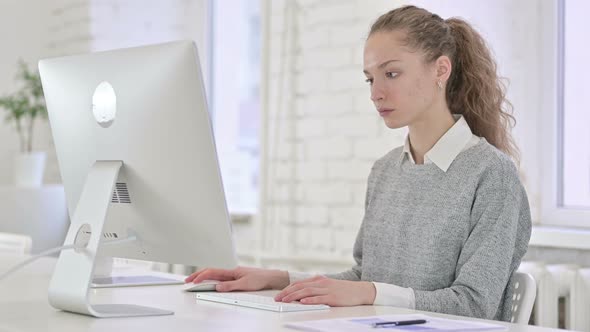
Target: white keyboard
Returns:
[258, 302]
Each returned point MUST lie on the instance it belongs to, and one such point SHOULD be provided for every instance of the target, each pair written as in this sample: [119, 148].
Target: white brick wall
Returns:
[329, 147]
[327, 193]
[70, 27]
[328, 105]
[330, 115]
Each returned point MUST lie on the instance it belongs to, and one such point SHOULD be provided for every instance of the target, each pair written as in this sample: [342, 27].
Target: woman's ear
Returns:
[443, 68]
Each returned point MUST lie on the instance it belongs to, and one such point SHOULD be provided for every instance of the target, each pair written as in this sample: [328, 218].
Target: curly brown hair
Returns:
[474, 88]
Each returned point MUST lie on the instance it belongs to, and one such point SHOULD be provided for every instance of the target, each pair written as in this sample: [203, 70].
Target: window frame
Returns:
[551, 156]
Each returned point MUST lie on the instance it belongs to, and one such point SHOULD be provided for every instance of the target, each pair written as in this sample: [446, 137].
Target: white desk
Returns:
[24, 307]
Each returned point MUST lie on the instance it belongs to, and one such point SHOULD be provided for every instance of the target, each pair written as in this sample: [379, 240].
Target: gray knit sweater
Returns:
[454, 237]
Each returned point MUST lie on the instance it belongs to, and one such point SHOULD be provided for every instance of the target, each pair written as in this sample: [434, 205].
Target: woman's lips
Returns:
[384, 111]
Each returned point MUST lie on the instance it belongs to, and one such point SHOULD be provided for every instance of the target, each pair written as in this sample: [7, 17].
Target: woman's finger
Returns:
[230, 286]
[304, 293]
[215, 274]
[313, 282]
[290, 289]
[193, 275]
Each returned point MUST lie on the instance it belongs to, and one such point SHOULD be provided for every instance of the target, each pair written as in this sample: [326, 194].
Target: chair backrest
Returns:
[15, 244]
[524, 292]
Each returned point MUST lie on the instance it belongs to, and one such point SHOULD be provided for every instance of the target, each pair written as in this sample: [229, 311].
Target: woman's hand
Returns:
[242, 278]
[322, 290]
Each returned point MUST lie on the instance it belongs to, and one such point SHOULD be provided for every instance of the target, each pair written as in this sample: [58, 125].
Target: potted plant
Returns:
[23, 108]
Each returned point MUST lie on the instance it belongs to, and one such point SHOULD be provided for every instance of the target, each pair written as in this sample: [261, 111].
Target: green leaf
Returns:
[28, 101]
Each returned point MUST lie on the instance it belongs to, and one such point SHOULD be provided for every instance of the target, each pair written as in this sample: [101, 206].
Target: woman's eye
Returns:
[390, 74]
[369, 80]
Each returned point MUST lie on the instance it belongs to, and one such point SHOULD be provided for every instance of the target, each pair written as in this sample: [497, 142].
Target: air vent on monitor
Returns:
[121, 194]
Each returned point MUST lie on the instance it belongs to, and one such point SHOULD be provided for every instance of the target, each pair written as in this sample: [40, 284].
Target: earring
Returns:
[440, 85]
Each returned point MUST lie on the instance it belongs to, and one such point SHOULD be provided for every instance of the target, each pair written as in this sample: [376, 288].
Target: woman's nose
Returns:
[377, 93]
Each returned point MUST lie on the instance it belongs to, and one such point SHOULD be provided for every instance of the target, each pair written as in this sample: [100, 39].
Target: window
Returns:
[566, 195]
[235, 98]
[574, 191]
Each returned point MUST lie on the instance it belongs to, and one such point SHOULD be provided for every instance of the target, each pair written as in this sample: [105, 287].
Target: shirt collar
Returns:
[447, 148]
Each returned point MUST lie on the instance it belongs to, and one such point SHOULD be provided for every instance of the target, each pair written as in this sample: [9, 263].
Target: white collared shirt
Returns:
[457, 139]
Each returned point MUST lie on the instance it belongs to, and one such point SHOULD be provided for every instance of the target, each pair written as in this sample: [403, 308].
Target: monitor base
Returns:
[74, 269]
[126, 310]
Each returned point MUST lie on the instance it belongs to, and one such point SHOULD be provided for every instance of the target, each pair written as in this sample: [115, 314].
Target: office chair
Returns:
[15, 244]
[524, 292]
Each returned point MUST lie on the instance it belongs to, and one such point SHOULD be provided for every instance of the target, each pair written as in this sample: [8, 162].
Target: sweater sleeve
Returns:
[500, 231]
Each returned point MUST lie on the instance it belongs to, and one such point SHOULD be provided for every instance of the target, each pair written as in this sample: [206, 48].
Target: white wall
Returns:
[128, 23]
[323, 131]
[23, 34]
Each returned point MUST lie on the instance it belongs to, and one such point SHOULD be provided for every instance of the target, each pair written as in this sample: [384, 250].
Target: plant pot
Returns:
[29, 169]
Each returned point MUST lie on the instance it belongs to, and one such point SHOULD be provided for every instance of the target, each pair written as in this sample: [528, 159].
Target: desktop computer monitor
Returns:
[138, 161]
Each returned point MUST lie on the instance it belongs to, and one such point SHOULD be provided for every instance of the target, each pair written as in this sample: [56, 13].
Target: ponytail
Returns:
[475, 90]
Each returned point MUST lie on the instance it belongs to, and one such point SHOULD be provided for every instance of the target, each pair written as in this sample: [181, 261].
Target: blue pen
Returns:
[399, 323]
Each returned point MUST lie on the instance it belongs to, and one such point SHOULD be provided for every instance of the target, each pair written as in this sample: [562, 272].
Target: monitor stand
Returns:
[73, 272]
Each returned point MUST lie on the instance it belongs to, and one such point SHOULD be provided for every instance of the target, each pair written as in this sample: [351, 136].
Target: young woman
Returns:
[447, 219]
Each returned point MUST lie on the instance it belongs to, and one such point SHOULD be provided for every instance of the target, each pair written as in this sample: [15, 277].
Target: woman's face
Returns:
[403, 86]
